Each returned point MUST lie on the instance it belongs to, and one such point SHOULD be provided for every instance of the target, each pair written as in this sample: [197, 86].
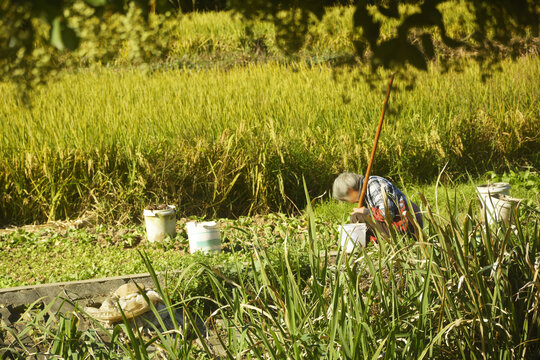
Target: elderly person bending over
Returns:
[347, 187]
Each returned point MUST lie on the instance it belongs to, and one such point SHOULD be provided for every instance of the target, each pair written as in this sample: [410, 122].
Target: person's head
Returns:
[347, 187]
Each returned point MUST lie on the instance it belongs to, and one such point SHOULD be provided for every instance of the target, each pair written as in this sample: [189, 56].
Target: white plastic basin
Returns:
[352, 236]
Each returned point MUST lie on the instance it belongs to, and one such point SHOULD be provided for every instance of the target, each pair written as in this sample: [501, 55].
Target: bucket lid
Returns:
[493, 188]
[200, 225]
[171, 209]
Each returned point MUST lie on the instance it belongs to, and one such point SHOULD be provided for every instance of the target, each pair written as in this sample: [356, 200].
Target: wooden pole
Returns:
[379, 128]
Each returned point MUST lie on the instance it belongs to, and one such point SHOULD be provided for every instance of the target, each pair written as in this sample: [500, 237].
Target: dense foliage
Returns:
[30, 29]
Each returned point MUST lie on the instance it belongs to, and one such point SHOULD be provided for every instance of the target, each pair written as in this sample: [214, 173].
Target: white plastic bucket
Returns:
[203, 236]
[352, 235]
[506, 208]
[160, 223]
[489, 197]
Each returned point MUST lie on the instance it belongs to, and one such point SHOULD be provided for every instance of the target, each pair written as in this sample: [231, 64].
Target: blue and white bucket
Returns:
[204, 236]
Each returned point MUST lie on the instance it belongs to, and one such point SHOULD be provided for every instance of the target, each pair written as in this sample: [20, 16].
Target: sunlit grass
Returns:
[461, 291]
[239, 141]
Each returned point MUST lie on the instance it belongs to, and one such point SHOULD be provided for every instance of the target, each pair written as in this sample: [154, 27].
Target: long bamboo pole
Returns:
[379, 128]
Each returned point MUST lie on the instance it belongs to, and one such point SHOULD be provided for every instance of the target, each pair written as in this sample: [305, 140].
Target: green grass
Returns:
[239, 141]
[223, 39]
[525, 185]
[52, 254]
[462, 290]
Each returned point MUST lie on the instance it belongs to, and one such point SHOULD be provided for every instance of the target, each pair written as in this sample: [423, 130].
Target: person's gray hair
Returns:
[343, 183]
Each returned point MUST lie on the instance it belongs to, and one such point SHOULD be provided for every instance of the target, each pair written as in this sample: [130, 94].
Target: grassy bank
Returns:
[239, 141]
[53, 253]
[64, 253]
[463, 290]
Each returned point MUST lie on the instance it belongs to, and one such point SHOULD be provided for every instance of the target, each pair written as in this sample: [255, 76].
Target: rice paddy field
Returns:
[239, 141]
[225, 126]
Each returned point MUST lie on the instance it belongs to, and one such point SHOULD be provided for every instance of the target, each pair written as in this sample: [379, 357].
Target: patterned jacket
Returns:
[377, 186]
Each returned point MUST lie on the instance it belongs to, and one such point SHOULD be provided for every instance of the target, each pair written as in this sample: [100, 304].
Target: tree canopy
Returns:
[30, 30]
